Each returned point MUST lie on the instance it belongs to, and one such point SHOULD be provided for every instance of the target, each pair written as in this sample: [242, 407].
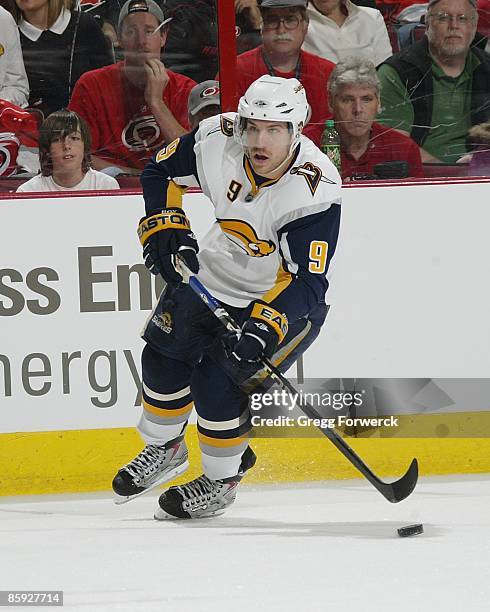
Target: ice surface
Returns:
[327, 546]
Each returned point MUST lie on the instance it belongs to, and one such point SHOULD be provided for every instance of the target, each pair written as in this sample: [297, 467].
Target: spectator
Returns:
[204, 102]
[58, 46]
[284, 28]
[340, 29]
[353, 91]
[13, 79]
[192, 46]
[64, 157]
[437, 88]
[136, 105]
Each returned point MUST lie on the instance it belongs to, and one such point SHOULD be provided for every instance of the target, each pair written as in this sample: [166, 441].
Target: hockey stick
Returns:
[394, 491]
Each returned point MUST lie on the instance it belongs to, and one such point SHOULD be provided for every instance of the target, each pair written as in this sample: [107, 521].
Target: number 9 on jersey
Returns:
[318, 256]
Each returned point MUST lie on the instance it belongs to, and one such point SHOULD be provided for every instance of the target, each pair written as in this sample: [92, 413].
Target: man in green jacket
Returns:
[437, 88]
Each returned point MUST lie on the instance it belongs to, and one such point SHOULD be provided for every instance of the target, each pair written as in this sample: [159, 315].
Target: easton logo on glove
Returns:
[167, 240]
[272, 317]
[168, 219]
[260, 336]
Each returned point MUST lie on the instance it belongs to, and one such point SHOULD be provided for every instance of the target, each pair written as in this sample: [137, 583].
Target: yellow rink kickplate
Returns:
[87, 460]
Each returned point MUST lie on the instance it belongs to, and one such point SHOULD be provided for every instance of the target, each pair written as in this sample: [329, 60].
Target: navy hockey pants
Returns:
[185, 364]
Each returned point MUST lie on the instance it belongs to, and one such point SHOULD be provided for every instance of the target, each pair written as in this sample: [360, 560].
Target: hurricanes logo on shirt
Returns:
[244, 236]
[141, 134]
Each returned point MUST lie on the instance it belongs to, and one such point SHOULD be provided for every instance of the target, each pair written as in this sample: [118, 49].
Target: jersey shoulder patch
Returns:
[218, 124]
[312, 186]
[226, 126]
[311, 173]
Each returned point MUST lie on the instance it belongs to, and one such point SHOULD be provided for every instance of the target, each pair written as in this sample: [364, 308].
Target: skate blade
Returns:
[161, 515]
[180, 469]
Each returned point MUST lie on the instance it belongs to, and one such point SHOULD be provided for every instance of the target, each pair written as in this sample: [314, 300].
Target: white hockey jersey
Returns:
[272, 239]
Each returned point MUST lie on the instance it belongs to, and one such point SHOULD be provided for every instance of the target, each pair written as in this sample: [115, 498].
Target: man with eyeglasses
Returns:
[284, 27]
[437, 88]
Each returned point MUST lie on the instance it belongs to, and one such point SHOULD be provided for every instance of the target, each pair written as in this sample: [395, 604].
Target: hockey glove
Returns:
[261, 334]
[163, 236]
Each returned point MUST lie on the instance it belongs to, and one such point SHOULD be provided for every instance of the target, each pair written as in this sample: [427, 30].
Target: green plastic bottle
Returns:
[330, 143]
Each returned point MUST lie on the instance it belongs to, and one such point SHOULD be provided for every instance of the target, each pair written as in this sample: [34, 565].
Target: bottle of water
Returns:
[330, 143]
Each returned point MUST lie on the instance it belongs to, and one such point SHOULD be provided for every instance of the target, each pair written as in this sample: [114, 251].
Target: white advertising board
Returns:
[410, 298]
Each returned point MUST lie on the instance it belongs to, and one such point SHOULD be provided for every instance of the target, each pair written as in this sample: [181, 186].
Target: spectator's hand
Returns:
[156, 81]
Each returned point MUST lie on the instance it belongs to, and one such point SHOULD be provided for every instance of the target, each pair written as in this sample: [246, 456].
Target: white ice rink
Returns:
[328, 546]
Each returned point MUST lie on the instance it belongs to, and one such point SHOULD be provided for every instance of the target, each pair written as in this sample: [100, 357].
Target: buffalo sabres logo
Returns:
[244, 236]
[311, 173]
[163, 321]
[141, 134]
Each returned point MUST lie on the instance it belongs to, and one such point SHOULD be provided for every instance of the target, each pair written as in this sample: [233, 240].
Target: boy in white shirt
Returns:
[64, 157]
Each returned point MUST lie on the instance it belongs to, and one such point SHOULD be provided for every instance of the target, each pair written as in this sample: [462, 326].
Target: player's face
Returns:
[283, 30]
[354, 110]
[267, 144]
[451, 26]
[139, 39]
[67, 153]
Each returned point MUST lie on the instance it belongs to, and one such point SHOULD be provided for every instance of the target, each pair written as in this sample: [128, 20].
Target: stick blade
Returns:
[401, 489]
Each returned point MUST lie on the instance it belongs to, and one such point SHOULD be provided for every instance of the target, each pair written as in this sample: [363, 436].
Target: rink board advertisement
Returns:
[409, 315]
[407, 299]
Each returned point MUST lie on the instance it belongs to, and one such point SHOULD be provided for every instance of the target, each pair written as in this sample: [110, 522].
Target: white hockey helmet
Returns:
[272, 98]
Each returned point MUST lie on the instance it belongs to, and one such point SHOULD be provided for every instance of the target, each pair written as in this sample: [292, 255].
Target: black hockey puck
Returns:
[410, 530]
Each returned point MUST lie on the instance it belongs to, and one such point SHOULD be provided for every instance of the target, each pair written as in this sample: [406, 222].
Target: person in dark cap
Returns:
[284, 27]
[204, 101]
[437, 88]
[136, 105]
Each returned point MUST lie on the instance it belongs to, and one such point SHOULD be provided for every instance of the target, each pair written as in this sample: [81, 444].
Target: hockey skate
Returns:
[152, 467]
[202, 497]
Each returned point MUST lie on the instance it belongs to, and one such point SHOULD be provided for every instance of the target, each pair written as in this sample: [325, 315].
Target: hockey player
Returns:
[277, 206]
